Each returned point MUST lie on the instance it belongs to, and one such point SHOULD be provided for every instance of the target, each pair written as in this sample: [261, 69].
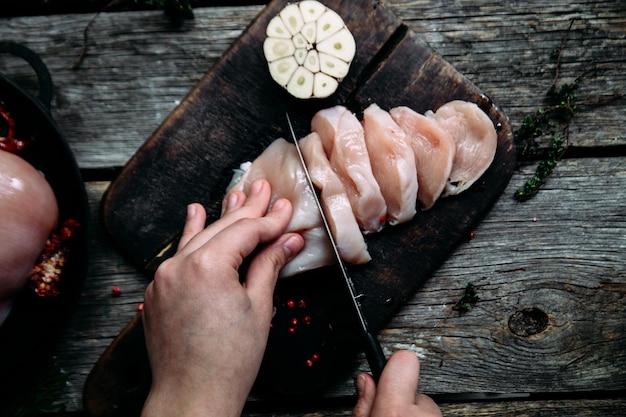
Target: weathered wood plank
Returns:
[137, 67]
[568, 263]
[495, 408]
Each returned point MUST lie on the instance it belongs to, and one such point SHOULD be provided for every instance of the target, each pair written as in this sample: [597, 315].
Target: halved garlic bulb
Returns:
[308, 49]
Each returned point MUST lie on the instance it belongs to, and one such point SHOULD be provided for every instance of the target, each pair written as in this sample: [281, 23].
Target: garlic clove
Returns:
[276, 48]
[292, 17]
[301, 83]
[333, 66]
[328, 24]
[340, 45]
[300, 55]
[300, 41]
[276, 28]
[311, 10]
[309, 31]
[323, 85]
[312, 62]
[282, 69]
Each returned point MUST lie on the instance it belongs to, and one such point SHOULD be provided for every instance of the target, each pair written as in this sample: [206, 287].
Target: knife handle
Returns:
[374, 354]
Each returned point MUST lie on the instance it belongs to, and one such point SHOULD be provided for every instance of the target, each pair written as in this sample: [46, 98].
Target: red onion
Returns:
[28, 214]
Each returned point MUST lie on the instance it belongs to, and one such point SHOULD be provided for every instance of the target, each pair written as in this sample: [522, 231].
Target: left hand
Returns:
[205, 330]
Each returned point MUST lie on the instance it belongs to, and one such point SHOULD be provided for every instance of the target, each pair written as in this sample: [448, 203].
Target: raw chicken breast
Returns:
[476, 142]
[344, 143]
[337, 208]
[280, 165]
[434, 151]
[393, 163]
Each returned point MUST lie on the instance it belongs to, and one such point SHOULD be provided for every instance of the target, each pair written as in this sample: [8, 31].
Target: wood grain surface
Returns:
[561, 252]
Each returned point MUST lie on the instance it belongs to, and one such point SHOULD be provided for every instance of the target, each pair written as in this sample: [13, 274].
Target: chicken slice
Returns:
[343, 225]
[280, 165]
[476, 142]
[393, 163]
[434, 151]
[344, 143]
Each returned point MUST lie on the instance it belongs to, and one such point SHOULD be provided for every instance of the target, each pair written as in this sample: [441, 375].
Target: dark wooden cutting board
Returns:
[229, 117]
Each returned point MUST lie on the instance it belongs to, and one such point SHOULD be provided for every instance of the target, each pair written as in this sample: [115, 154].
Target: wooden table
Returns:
[560, 255]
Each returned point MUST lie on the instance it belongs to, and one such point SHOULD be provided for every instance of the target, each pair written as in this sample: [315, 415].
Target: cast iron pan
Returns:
[29, 334]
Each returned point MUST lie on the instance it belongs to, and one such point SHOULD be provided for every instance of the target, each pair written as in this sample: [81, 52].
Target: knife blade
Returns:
[371, 345]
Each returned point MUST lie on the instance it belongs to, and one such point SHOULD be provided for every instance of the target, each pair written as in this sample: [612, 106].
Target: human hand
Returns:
[205, 330]
[396, 394]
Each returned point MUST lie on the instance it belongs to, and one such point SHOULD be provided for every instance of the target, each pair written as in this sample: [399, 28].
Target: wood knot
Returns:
[528, 321]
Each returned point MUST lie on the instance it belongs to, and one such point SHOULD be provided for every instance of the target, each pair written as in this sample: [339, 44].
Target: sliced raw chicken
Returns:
[326, 124]
[476, 142]
[280, 165]
[343, 225]
[434, 151]
[393, 163]
[344, 142]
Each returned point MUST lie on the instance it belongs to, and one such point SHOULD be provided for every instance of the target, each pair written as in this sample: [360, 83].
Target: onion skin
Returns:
[29, 214]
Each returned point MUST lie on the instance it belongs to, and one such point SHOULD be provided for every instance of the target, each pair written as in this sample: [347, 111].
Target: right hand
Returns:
[396, 394]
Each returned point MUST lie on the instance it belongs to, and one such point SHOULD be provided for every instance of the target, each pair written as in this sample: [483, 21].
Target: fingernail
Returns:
[232, 200]
[279, 204]
[360, 384]
[292, 245]
[191, 210]
[256, 186]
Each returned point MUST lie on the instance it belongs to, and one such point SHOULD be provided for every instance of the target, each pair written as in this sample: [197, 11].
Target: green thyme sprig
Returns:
[552, 122]
[468, 300]
[543, 171]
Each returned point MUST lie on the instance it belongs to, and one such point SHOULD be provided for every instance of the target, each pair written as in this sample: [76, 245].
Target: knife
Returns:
[373, 350]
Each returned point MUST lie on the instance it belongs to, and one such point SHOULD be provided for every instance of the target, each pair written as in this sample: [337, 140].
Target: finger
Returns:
[241, 238]
[400, 377]
[366, 388]
[263, 272]
[233, 201]
[428, 404]
[253, 206]
[194, 223]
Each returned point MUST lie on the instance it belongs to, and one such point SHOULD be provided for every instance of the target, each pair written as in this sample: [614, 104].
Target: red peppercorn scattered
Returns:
[294, 321]
[302, 304]
[314, 358]
[307, 320]
[291, 304]
[472, 235]
[116, 291]
[292, 330]
[140, 307]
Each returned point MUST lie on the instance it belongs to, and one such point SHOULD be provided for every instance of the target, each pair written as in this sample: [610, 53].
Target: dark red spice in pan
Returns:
[46, 274]
[9, 143]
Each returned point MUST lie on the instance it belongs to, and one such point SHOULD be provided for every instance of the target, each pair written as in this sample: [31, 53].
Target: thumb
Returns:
[261, 277]
[367, 392]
